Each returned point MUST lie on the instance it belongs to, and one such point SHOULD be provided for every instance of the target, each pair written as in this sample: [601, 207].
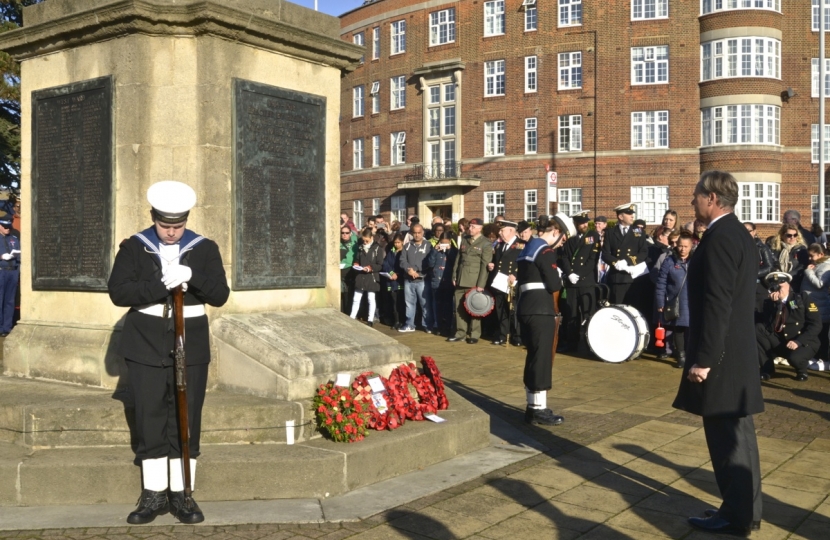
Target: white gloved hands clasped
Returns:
[7, 256]
[176, 275]
[573, 278]
[621, 265]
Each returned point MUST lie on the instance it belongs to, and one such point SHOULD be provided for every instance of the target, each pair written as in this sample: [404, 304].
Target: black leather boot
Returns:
[186, 511]
[150, 505]
[681, 359]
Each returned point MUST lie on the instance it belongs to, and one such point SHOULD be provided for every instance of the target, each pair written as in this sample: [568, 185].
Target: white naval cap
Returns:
[171, 200]
[566, 224]
[627, 208]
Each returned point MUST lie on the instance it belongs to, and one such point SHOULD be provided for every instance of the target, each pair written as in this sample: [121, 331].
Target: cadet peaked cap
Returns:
[581, 218]
[600, 219]
[475, 221]
[505, 223]
[171, 200]
[639, 223]
[777, 277]
[523, 226]
[627, 208]
[6, 220]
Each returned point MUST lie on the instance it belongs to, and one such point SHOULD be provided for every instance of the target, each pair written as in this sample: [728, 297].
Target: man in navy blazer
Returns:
[720, 381]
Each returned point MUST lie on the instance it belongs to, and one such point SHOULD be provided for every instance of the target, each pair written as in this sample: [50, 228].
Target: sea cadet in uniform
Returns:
[147, 267]
[789, 327]
[578, 261]
[504, 263]
[538, 279]
[9, 273]
[625, 251]
[469, 271]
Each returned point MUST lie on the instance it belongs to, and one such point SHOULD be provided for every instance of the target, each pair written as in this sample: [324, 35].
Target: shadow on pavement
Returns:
[416, 526]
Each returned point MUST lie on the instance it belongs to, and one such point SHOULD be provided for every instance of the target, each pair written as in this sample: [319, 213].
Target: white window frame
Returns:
[375, 206]
[439, 21]
[493, 205]
[531, 19]
[494, 138]
[814, 25]
[814, 144]
[397, 37]
[398, 208]
[357, 154]
[358, 101]
[398, 150]
[570, 13]
[441, 129]
[376, 151]
[531, 74]
[397, 86]
[712, 6]
[759, 202]
[814, 76]
[569, 200]
[376, 43]
[740, 57]
[652, 202]
[814, 208]
[639, 10]
[570, 70]
[494, 18]
[650, 63]
[357, 213]
[375, 93]
[531, 205]
[741, 124]
[649, 129]
[360, 39]
[494, 78]
[531, 135]
[570, 133]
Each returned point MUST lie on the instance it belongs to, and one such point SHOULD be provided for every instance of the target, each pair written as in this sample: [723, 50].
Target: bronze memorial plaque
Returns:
[279, 188]
[72, 186]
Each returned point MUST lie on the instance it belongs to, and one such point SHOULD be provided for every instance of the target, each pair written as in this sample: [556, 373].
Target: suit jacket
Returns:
[721, 283]
[632, 248]
[504, 261]
[470, 268]
[579, 256]
[801, 318]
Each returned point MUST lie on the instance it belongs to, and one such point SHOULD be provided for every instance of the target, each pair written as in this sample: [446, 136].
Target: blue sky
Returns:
[332, 7]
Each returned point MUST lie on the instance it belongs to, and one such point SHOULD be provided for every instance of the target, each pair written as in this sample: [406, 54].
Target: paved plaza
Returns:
[625, 465]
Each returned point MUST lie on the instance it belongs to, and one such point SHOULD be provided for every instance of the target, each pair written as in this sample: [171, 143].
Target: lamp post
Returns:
[821, 91]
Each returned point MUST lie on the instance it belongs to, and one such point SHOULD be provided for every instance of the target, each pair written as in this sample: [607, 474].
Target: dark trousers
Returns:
[444, 302]
[617, 293]
[537, 335]
[771, 345]
[465, 324]
[580, 307]
[8, 290]
[501, 313]
[391, 306]
[733, 449]
[679, 336]
[153, 391]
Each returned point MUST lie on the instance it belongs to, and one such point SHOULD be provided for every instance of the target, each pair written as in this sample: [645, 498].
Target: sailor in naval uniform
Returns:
[147, 267]
[578, 262]
[537, 280]
[504, 262]
[625, 249]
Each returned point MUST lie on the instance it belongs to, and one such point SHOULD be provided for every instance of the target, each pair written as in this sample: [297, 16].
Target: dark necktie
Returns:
[780, 318]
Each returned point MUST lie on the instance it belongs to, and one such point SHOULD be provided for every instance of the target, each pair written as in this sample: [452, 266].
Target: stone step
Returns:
[238, 472]
[38, 414]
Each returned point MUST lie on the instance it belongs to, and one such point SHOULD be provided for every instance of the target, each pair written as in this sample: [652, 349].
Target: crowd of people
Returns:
[417, 276]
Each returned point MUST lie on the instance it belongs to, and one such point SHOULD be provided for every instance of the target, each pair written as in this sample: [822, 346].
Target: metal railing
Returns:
[437, 170]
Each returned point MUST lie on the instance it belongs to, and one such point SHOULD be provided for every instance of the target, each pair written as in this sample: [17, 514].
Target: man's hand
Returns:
[697, 374]
[176, 275]
[511, 279]
[621, 265]
[792, 345]
[490, 266]
[7, 256]
[412, 273]
[573, 278]
[367, 268]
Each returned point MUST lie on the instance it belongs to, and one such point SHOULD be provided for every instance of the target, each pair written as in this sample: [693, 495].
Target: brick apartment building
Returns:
[460, 105]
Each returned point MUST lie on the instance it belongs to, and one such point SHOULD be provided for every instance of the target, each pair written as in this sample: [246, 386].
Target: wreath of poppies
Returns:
[432, 373]
[344, 418]
[412, 395]
[388, 419]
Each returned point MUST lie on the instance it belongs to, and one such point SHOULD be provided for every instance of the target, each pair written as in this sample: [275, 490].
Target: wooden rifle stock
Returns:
[557, 321]
[181, 387]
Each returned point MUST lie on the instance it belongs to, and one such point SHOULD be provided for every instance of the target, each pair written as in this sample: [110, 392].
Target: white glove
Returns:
[7, 256]
[176, 275]
[621, 265]
[573, 278]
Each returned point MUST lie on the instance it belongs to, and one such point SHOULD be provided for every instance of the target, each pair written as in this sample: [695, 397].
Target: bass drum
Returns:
[618, 333]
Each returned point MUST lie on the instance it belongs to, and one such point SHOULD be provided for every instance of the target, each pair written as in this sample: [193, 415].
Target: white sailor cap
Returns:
[171, 200]
[566, 224]
[627, 208]
[777, 277]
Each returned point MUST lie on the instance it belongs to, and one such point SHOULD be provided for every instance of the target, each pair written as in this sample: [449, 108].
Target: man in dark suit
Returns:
[504, 262]
[625, 250]
[720, 381]
[578, 262]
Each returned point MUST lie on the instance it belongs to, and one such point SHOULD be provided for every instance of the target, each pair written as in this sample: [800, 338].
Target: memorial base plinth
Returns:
[63, 444]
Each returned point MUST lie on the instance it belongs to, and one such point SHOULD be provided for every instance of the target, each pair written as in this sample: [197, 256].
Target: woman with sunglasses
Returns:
[791, 253]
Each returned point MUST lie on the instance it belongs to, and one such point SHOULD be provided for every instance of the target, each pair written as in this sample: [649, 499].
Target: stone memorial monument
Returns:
[240, 99]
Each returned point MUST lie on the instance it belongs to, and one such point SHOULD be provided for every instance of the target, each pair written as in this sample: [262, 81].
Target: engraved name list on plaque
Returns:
[279, 188]
[72, 186]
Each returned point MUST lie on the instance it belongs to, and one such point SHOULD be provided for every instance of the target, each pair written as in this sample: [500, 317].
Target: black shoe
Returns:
[499, 342]
[717, 525]
[711, 512]
[681, 363]
[4, 334]
[370, 324]
[150, 505]
[563, 348]
[517, 342]
[801, 377]
[662, 355]
[542, 417]
[765, 376]
[454, 338]
[185, 510]
[472, 341]
[396, 326]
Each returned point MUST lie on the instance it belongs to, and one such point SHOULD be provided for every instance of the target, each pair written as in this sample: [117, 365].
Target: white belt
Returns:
[157, 310]
[531, 286]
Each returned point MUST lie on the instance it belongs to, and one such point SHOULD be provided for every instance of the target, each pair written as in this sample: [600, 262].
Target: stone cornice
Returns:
[201, 17]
